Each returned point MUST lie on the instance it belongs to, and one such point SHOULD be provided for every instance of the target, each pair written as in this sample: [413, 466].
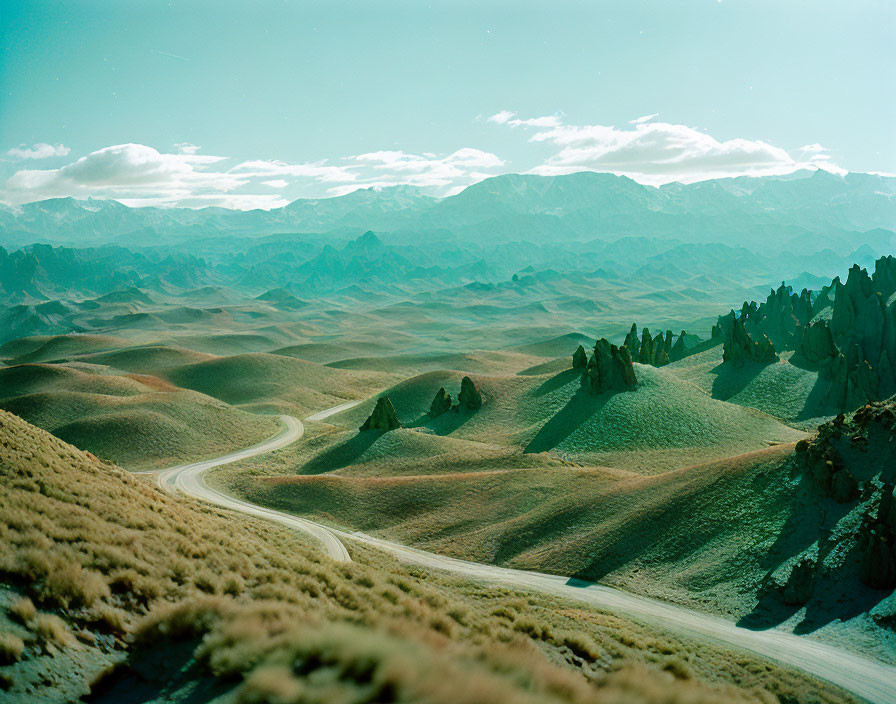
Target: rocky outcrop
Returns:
[863, 328]
[609, 369]
[632, 341]
[579, 358]
[816, 346]
[851, 459]
[469, 398]
[847, 332]
[440, 404]
[738, 347]
[383, 416]
[679, 349]
[656, 351]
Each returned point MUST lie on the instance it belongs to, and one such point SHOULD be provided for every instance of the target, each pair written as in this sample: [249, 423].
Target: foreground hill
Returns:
[234, 605]
[801, 537]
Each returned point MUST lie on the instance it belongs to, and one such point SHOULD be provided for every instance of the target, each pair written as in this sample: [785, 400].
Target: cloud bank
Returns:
[659, 152]
[41, 150]
[137, 174]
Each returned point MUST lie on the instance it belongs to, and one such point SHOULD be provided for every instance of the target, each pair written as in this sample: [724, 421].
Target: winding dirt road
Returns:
[865, 678]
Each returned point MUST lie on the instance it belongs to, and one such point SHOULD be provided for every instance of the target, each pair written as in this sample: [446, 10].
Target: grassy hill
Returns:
[55, 347]
[149, 359]
[274, 381]
[232, 603]
[665, 422]
[781, 389]
[136, 421]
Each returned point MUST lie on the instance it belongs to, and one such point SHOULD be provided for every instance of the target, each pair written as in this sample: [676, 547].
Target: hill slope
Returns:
[230, 602]
[136, 421]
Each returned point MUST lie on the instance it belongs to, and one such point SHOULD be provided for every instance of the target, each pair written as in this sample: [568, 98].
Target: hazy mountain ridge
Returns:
[581, 205]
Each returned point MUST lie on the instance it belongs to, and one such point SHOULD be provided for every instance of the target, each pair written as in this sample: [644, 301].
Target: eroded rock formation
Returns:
[440, 404]
[847, 332]
[656, 351]
[609, 369]
[469, 398]
[851, 459]
[383, 416]
[579, 358]
[738, 347]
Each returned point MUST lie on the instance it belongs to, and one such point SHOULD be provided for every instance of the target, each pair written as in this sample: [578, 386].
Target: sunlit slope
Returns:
[665, 422]
[135, 421]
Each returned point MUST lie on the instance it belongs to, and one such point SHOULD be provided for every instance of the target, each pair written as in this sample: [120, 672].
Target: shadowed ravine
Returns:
[865, 678]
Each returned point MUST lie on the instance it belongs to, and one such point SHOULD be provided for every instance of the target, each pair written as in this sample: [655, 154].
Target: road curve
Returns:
[188, 479]
[865, 678]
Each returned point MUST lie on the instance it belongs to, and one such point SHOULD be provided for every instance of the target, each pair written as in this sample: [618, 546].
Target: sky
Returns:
[254, 104]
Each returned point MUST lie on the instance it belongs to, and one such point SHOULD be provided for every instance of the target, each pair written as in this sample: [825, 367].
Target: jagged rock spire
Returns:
[383, 416]
[440, 404]
[469, 397]
[609, 369]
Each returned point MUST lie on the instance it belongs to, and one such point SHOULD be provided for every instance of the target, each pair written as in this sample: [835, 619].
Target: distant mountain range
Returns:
[806, 211]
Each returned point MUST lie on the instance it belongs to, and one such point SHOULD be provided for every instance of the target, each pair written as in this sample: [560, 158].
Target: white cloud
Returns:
[660, 152]
[644, 118]
[123, 170]
[506, 117]
[501, 117]
[186, 148]
[41, 150]
[813, 149]
[141, 175]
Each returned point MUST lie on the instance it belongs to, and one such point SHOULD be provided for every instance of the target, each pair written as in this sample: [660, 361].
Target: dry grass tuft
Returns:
[11, 648]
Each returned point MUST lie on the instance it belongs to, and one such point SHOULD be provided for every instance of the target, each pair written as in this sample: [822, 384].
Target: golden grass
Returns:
[11, 648]
[265, 612]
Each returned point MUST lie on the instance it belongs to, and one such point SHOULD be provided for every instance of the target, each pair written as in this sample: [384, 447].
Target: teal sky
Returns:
[310, 85]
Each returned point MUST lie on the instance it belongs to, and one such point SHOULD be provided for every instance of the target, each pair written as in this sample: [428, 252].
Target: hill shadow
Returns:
[558, 381]
[343, 454]
[444, 424]
[730, 381]
[565, 422]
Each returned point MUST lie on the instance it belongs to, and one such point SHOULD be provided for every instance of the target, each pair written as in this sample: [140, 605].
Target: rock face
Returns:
[679, 350]
[852, 459]
[440, 404]
[609, 369]
[816, 345]
[383, 416]
[739, 348]
[579, 358]
[469, 397]
[847, 332]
